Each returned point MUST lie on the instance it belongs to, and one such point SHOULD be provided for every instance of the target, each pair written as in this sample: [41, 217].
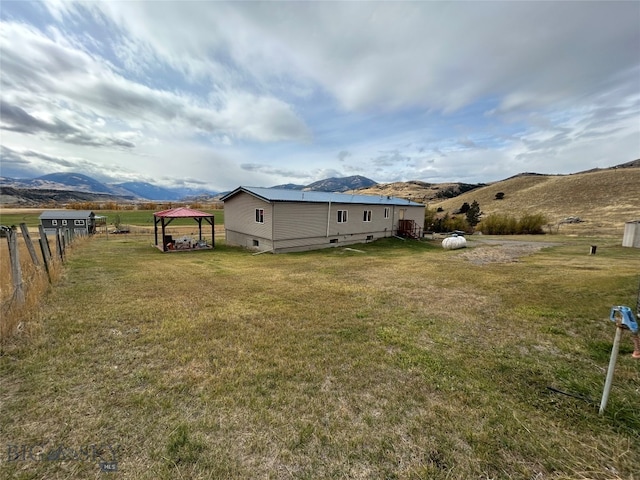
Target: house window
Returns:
[256, 243]
[333, 240]
[387, 211]
[78, 222]
[54, 222]
[369, 238]
[367, 216]
[259, 215]
[64, 222]
[342, 216]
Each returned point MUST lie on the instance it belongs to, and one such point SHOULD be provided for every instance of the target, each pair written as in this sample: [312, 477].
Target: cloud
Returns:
[58, 74]
[443, 56]
[29, 162]
[343, 154]
[390, 159]
[16, 119]
[257, 93]
[467, 143]
[9, 156]
[274, 171]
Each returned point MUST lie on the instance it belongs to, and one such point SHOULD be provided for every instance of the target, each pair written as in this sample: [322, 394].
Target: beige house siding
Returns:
[298, 226]
[240, 216]
[299, 220]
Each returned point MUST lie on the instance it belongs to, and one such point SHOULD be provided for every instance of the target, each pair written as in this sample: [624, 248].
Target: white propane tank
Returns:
[454, 242]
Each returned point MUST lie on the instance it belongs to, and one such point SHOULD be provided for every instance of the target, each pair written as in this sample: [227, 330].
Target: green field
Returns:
[127, 217]
[397, 361]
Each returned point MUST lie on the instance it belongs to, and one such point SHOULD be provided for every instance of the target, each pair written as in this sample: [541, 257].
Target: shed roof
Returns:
[65, 214]
[284, 195]
[182, 212]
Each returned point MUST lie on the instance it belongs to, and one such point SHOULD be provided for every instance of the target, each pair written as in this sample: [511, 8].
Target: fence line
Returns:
[21, 287]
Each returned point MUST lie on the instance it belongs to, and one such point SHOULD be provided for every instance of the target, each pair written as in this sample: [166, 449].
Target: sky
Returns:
[216, 95]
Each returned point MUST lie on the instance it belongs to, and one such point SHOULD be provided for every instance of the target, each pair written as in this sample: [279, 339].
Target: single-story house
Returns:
[278, 220]
[82, 222]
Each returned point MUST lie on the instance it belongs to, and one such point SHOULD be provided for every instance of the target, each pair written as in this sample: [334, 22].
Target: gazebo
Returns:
[165, 217]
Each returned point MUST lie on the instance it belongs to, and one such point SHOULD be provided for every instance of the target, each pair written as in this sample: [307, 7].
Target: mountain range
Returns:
[333, 184]
[77, 182]
[68, 187]
[85, 185]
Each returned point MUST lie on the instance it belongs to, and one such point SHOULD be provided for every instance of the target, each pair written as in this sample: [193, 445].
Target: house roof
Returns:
[182, 212]
[283, 195]
[65, 214]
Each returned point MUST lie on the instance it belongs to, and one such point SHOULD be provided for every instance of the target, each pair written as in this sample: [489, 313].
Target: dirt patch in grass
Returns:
[504, 252]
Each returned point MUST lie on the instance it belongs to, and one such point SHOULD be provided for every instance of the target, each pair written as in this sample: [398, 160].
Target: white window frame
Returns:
[387, 212]
[64, 222]
[54, 222]
[78, 222]
[342, 216]
[259, 215]
[366, 217]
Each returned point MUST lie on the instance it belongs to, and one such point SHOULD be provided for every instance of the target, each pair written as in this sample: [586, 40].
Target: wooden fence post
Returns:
[29, 243]
[43, 234]
[16, 271]
[59, 245]
[46, 259]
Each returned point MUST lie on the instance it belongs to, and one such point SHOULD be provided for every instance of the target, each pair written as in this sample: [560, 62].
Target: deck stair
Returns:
[409, 229]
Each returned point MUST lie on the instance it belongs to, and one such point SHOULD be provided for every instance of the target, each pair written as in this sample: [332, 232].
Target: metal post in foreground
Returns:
[624, 319]
[612, 367]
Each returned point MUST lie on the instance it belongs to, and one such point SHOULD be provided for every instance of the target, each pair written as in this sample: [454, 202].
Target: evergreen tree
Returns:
[473, 214]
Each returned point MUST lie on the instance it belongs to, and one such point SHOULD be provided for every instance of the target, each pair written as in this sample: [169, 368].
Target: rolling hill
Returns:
[603, 199]
[418, 191]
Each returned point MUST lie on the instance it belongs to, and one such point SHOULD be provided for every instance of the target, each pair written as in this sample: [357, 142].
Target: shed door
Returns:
[401, 213]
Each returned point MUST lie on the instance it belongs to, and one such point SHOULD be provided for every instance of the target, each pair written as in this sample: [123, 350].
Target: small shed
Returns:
[81, 222]
[165, 217]
[631, 236]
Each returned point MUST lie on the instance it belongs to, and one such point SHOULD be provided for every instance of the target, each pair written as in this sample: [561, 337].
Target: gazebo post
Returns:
[155, 228]
[213, 234]
[164, 245]
[199, 220]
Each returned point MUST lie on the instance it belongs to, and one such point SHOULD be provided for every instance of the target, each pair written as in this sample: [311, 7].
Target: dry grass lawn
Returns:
[405, 361]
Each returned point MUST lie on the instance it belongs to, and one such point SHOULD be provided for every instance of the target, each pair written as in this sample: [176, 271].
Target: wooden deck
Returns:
[409, 229]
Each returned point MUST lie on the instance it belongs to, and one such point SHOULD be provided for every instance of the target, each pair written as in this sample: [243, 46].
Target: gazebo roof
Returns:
[182, 212]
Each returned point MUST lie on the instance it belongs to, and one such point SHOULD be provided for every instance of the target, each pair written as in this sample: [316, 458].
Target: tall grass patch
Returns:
[16, 317]
[504, 224]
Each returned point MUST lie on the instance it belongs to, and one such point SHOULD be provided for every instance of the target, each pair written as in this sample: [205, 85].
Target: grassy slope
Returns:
[405, 361]
[605, 199]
